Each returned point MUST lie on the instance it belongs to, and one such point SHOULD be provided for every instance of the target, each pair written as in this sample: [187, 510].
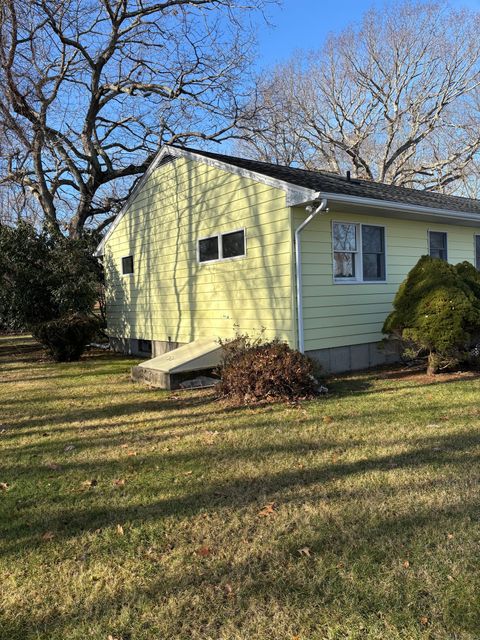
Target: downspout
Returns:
[298, 267]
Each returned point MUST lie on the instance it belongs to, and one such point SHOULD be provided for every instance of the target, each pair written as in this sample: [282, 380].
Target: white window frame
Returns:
[128, 275]
[358, 279]
[446, 239]
[220, 246]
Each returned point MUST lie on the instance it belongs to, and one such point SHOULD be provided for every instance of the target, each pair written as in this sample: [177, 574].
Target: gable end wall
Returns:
[171, 297]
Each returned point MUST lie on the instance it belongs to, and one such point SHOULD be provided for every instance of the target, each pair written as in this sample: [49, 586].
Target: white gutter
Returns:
[298, 267]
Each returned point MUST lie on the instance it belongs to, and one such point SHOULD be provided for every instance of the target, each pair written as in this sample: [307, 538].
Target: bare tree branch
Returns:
[397, 99]
[93, 87]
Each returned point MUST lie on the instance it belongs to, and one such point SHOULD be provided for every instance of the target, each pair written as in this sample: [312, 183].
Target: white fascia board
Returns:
[408, 211]
[295, 195]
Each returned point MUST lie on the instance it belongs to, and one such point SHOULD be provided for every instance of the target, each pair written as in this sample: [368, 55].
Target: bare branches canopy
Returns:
[93, 87]
[395, 99]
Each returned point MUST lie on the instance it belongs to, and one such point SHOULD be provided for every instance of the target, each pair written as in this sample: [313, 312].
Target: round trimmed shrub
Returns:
[256, 370]
[65, 338]
[437, 312]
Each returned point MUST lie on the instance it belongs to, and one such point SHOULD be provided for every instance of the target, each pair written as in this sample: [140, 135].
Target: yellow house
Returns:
[210, 243]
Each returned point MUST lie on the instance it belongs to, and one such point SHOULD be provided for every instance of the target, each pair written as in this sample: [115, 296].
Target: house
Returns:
[210, 243]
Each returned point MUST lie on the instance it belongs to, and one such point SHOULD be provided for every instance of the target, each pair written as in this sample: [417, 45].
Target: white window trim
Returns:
[132, 273]
[359, 254]
[429, 231]
[220, 247]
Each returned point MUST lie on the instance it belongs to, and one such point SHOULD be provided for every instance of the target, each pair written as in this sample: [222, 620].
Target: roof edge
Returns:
[374, 203]
[296, 195]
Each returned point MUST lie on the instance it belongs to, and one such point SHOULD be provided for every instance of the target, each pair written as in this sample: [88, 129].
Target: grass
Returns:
[136, 514]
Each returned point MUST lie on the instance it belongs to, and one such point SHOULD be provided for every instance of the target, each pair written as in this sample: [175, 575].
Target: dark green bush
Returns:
[46, 280]
[66, 338]
[257, 370]
[437, 312]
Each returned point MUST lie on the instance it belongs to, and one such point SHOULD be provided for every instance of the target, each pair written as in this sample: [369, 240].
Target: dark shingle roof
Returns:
[333, 183]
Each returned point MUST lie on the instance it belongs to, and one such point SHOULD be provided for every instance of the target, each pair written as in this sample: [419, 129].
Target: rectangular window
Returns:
[437, 244]
[233, 244]
[358, 252]
[477, 252]
[222, 246]
[208, 249]
[344, 249]
[127, 265]
[373, 253]
[145, 346]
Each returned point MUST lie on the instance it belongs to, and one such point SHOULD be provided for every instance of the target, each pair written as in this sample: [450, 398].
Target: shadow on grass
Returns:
[74, 511]
[235, 493]
[353, 542]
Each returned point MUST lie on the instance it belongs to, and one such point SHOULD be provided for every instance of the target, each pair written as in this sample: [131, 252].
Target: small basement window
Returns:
[127, 265]
[145, 346]
[222, 246]
[437, 244]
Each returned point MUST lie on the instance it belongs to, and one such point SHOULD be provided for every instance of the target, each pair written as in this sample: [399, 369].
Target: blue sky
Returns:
[303, 24]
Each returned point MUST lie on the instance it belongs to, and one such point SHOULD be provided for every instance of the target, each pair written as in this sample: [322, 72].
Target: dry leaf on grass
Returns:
[69, 447]
[268, 510]
[48, 535]
[90, 483]
[120, 530]
[424, 620]
[406, 564]
[4, 486]
[119, 482]
[203, 552]
[305, 551]
[52, 465]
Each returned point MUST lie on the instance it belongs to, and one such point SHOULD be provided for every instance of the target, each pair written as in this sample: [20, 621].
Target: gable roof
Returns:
[328, 182]
[303, 186]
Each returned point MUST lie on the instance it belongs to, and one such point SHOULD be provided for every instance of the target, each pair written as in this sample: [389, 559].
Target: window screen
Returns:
[127, 264]
[438, 244]
[208, 249]
[373, 252]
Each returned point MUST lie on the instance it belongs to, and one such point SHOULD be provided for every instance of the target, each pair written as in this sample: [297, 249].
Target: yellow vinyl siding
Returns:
[171, 295]
[340, 314]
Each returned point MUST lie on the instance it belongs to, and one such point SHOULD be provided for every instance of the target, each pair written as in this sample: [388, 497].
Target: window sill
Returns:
[206, 262]
[359, 282]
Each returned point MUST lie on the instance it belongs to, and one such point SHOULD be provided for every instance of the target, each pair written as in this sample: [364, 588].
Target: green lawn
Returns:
[132, 513]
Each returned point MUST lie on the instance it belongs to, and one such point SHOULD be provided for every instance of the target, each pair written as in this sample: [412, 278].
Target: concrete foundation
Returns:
[354, 357]
[131, 346]
[332, 360]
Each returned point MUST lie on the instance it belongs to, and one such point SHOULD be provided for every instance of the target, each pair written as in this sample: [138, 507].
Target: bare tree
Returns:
[395, 99]
[91, 88]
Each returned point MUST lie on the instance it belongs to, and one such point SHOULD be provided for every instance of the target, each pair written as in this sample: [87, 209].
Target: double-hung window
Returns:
[437, 244]
[358, 252]
[222, 246]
